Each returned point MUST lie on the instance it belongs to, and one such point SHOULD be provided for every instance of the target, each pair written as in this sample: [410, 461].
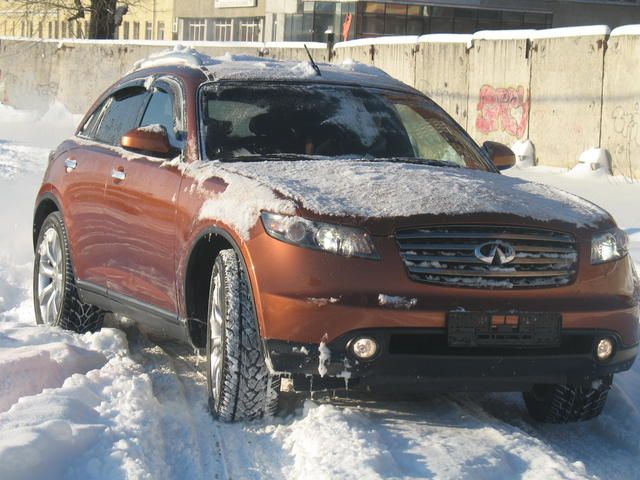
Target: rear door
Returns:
[140, 210]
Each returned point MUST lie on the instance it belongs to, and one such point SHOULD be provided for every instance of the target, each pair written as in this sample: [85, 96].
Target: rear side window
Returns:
[121, 115]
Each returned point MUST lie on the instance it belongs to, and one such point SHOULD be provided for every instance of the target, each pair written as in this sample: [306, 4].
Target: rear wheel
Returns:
[565, 404]
[55, 294]
[240, 385]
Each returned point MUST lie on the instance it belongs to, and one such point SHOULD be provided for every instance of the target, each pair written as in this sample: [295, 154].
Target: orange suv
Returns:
[328, 227]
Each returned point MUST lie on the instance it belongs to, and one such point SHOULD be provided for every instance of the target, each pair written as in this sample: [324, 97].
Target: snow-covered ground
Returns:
[115, 405]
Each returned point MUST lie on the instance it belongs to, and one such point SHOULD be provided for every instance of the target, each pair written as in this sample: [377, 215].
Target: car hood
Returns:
[387, 195]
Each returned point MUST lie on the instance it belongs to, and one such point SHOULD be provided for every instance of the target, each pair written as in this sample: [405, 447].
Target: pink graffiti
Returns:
[504, 109]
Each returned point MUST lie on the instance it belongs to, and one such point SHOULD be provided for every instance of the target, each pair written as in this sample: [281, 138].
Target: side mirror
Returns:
[151, 139]
[501, 155]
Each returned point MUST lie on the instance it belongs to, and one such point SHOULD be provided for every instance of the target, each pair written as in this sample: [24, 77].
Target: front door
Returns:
[140, 212]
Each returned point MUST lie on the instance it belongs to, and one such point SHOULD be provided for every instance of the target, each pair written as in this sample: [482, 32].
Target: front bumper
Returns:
[420, 359]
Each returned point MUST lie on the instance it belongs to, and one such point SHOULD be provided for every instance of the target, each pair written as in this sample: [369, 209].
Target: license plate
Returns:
[490, 329]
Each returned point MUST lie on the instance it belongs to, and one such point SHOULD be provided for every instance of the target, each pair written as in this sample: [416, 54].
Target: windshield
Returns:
[242, 122]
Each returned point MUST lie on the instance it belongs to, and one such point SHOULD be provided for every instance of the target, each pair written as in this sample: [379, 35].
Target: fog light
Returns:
[605, 349]
[365, 348]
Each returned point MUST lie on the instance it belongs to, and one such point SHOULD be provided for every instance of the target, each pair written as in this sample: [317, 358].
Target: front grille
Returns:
[446, 255]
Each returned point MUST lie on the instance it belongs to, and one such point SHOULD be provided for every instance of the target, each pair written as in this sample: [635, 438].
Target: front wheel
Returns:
[240, 385]
[565, 403]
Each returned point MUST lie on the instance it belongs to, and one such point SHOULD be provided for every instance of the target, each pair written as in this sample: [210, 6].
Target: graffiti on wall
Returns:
[626, 122]
[503, 109]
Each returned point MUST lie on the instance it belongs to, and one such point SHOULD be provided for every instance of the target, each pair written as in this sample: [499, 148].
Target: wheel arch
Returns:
[197, 274]
[45, 206]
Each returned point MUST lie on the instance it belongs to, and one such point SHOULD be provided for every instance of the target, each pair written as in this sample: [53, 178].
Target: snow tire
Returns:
[245, 389]
[567, 404]
[74, 314]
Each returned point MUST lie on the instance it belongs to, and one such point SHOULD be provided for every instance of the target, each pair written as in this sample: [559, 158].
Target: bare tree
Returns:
[104, 15]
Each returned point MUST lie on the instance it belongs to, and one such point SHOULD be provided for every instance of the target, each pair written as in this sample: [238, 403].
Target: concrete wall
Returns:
[621, 104]
[442, 73]
[566, 91]
[566, 88]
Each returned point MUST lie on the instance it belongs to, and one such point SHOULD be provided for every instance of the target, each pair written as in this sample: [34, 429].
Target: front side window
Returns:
[121, 115]
[247, 122]
[160, 111]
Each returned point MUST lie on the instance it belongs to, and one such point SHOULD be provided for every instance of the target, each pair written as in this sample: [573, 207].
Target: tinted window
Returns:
[121, 115]
[160, 112]
[327, 121]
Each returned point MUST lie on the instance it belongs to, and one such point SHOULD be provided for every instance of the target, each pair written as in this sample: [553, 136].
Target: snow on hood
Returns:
[352, 188]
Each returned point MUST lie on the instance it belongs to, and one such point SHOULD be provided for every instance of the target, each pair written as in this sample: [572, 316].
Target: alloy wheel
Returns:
[216, 323]
[50, 276]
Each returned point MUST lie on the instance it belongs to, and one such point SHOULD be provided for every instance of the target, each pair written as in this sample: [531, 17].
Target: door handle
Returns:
[70, 164]
[119, 175]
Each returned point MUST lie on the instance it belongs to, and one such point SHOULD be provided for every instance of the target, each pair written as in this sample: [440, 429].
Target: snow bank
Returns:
[565, 32]
[525, 153]
[626, 30]
[592, 162]
[446, 38]
[39, 129]
[363, 42]
[503, 34]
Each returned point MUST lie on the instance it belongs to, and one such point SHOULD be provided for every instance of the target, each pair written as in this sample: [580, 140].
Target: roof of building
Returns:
[247, 67]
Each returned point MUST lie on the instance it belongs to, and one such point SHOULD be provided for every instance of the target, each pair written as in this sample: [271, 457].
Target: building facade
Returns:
[313, 20]
[145, 20]
[302, 20]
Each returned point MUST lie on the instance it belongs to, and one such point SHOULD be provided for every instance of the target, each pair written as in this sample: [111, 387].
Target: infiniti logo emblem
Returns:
[495, 253]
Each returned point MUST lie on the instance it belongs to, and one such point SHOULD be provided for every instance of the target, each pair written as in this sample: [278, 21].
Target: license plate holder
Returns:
[496, 329]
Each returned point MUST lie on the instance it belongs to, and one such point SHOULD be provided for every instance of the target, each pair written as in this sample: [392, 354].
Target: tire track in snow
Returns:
[188, 431]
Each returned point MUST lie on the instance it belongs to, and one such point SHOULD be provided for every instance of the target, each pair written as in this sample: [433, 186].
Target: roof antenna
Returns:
[313, 64]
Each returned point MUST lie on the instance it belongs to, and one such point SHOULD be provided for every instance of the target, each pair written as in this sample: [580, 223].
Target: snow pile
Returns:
[35, 128]
[525, 153]
[592, 162]
[382, 189]
[391, 301]
[233, 206]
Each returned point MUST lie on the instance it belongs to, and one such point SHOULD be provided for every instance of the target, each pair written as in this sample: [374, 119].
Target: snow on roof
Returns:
[401, 40]
[626, 30]
[248, 67]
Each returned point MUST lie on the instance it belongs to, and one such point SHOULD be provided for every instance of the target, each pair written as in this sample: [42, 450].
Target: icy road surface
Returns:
[117, 406]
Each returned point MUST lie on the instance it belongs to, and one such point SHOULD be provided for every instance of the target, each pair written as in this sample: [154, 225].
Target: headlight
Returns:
[608, 246]
[338, 239]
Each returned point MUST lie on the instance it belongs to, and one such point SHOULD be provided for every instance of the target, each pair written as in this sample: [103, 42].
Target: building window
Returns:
[125, 31]
[136, 30]
[148, 31]
[375, 19]
[248, 30]
[160, 35]
[221, 30]
[195, 29]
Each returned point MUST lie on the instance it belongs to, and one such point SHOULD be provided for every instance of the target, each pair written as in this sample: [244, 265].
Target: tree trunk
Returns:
[102, 25]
